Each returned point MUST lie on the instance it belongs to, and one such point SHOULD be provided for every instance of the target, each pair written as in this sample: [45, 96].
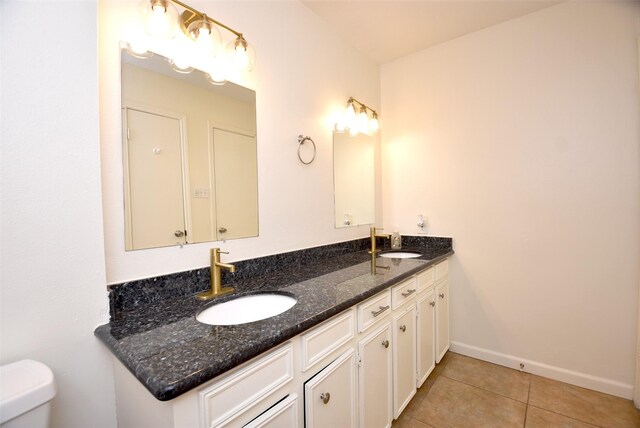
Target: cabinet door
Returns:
[426, 355]
[442, 318]
[282, 415]
[330, 396]
[375, 379]
[404, 358]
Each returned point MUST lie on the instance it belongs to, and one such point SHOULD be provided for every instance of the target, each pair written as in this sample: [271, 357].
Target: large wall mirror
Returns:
[189, 149]
[354, 179]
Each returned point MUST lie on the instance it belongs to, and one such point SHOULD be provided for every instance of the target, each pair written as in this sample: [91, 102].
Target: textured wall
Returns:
[521, 142]
[53, 273]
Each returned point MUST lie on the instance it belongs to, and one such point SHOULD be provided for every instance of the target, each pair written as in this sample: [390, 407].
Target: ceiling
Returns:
[385, 30]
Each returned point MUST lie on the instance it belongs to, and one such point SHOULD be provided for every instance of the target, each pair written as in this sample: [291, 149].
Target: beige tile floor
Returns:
[465, 392]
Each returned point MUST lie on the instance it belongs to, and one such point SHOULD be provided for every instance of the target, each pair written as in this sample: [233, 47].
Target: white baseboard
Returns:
[595, 383]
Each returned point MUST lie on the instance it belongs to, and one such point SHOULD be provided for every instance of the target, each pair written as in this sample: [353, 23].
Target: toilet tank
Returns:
[26, 389]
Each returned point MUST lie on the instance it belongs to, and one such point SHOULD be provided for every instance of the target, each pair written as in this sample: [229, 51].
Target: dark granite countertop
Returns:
[170, 352]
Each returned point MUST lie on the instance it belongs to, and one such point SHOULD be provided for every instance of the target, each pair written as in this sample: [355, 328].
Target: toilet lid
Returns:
[24, 385]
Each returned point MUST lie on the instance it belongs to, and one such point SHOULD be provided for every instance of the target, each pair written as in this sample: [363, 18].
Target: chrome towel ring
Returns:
[301, 140]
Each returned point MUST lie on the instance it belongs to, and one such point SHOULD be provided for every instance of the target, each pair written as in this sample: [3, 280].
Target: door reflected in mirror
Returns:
[190, 157]
[354, 181]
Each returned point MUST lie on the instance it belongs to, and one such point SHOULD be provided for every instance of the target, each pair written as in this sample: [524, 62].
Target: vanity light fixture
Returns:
[199, 40]
[360, 123]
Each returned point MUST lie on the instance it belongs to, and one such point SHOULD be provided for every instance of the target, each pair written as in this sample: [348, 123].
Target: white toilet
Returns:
[26, 390]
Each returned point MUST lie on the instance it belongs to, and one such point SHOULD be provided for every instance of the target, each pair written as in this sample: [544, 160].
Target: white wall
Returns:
[521, 142]
[53, 275]
[303, 74]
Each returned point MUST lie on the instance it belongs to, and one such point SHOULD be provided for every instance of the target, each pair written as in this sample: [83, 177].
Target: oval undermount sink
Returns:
[401, 255]
[242, 310]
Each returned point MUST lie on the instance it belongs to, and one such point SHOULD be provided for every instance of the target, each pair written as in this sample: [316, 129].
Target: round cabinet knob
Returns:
[385, 343]
[441, 295]
[222, 229]
[403, 328]
[325, 397]
[432, 303]
[178, 233]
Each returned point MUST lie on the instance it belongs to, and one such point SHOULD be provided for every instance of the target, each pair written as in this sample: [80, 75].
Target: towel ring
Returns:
[301, 140]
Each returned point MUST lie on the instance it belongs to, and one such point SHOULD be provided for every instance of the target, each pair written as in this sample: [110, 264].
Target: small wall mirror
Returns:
[189, 149]
[353, 177]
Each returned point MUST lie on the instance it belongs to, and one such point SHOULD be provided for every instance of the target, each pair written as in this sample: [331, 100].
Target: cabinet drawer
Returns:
[326, 338]
[442, 269]
[426, 279]
[227, 399]
[373, 309]
[403, 292]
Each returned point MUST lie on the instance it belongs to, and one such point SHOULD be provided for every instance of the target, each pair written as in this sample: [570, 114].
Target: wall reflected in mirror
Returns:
[190, 156]
[354, 180]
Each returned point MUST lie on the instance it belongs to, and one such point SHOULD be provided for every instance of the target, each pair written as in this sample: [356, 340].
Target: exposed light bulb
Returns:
[158, 8]
[374, 124]
[181, 55]
[363, 120]
[202, 37]
[217, 71]
[160, 18]
[350, 117]
[205, 36]
[240, 58]
[351, 111]
[241, 54]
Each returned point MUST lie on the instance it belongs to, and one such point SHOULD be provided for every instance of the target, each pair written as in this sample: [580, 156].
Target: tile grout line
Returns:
[484, 389]
[526, 410]
[565, 416]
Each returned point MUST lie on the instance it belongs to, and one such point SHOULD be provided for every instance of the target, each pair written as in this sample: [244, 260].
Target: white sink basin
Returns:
[400, 255]
[242, 310]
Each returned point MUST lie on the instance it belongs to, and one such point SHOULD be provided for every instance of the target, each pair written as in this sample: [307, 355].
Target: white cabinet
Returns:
[330, 396]
[373, 310]
[442, 317]
[322, 340]
[400, 333]
[375, 379]
[228, 401]
[403, 292]
[283, 414]
[404, 358]
[426, 343]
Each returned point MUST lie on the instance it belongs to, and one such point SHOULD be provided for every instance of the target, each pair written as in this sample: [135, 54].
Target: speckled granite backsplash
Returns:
[139, 293]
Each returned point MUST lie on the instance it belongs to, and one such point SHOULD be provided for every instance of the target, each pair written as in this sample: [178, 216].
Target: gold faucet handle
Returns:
[223, 252]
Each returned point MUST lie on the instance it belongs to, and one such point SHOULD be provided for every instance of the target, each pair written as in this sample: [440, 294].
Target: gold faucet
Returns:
[375, 267]
[216, 277]
[375, 235]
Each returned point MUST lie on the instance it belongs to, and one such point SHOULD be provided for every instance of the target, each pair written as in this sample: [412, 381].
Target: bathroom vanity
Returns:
[364, 334]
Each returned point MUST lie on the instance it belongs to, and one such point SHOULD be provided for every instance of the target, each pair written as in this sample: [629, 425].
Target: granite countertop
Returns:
[170, 352]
